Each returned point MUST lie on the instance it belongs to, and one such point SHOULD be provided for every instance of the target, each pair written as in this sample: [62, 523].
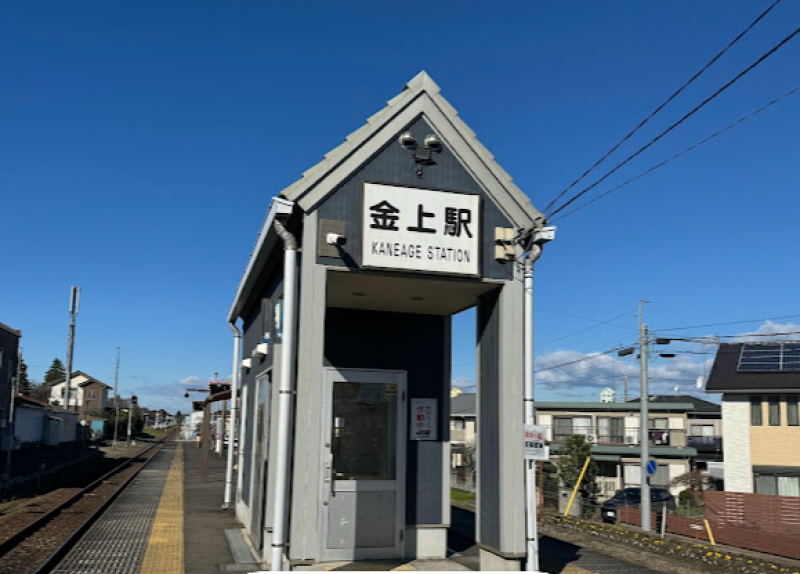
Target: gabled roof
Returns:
[725, 376]
[89, 379]
[421, 96]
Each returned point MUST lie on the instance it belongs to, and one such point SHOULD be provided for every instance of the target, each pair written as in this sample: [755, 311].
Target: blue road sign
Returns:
[652, 466]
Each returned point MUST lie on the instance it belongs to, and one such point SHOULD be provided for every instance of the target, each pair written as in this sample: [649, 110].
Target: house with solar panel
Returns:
[760, 386]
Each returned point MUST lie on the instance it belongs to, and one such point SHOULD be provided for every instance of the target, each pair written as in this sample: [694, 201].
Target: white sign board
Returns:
[535, 447]
[420, 230]
[423, 419]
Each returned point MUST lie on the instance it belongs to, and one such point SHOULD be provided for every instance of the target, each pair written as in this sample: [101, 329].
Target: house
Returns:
[760, 386]
[86, 394]
[30, 420]
[9, 351]
[705, 430]
[613, 430]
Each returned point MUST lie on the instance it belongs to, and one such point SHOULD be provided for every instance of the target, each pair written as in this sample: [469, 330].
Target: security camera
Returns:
[433, 142]
[408, 141]
[544, 235]
[335, 239]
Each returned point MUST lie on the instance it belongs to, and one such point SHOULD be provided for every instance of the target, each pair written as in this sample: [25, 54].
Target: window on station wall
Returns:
[777, 481]
[756, 415]
[774, 411]
[792, 412]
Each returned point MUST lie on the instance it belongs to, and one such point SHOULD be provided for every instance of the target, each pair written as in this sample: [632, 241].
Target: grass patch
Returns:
[462, 495]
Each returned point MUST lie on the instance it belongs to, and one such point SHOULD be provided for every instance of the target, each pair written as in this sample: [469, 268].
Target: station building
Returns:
[345, 313]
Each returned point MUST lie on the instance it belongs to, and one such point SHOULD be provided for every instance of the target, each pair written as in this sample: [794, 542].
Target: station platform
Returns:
[169, 520]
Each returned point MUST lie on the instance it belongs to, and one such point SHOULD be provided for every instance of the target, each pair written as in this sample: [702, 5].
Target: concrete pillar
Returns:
[500, 512]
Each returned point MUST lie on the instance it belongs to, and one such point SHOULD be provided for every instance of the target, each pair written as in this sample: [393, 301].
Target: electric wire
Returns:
[676, 156]
[583, 330]
[727, 323]
[680, 121]
[663, 105]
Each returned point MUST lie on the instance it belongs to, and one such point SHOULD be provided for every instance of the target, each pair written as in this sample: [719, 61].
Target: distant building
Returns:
[86, 394]
[760, 386]
[9, 352]
[611, 428]
[608, 395]
[705, 431]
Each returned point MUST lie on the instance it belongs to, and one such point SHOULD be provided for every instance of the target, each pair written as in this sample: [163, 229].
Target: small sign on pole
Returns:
[535, 447]
[652, 466]
[423, 419]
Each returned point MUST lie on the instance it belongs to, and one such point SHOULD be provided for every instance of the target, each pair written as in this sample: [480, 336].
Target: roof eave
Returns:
[279, 207]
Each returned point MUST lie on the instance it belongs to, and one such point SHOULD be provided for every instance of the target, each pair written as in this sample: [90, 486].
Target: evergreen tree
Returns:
[23, 384]
[55, 374]
[570, 464]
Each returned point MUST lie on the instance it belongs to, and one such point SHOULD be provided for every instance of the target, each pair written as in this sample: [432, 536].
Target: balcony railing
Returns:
[626, 436]
[705, 443]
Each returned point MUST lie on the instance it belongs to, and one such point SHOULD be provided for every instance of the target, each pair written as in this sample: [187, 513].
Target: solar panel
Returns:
[770, 357]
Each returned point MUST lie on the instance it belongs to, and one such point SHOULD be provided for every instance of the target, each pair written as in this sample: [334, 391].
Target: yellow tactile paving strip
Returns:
[571, 569]
[164, 553]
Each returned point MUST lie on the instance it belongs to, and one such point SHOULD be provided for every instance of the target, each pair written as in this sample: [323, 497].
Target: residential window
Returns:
[756, 415]
[562, 428]
[702, 430]
[777, 481]
[774, 411]
[611, 430]
[459, 424]
[792, 413]
[92, 394]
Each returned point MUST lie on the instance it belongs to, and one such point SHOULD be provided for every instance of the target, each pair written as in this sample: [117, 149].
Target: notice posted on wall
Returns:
[535, 446]
[423, 419]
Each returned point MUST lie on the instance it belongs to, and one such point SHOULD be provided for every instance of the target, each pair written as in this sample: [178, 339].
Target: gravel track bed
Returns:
[31, 552]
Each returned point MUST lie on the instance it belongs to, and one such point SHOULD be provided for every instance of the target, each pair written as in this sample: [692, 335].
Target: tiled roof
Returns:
[725, 377]
[463, 404]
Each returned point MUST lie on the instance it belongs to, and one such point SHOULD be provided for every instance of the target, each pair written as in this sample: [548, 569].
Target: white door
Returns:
[363, 490]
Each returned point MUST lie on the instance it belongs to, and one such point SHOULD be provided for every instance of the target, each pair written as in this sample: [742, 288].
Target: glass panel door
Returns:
[363, 484]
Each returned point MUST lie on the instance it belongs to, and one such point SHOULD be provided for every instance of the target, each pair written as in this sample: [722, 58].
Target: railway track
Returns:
[45, 536]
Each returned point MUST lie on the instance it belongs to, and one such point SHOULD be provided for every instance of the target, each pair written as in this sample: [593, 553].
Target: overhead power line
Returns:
[696, 109]
[581, 360]
[727, 323]
[677, 155]
[598, 324]
[664, 104]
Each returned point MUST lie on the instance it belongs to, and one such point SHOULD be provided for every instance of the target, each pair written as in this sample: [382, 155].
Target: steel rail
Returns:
[30, 529]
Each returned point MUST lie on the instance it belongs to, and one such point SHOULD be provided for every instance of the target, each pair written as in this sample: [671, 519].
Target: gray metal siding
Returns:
[394, 165]
[488, 413]
[416, 344]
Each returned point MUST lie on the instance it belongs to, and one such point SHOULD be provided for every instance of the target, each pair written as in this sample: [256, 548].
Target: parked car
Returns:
[633, 497]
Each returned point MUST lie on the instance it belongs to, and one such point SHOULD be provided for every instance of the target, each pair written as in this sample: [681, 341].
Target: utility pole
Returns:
[10, 422]
[116, 402]
[644, 406]
[130, 419]
[625, 378]
[74, 308]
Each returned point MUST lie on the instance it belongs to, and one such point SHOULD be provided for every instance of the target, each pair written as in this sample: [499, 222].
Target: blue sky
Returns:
[142, 142]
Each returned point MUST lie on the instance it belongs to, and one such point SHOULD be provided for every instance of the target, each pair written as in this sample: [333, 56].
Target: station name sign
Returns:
[420, 230]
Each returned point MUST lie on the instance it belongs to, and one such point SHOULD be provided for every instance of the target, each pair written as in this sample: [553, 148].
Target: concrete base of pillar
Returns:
[489, 561]
[426, 543]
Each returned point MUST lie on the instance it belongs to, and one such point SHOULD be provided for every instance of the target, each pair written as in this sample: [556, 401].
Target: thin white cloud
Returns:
[771, 330]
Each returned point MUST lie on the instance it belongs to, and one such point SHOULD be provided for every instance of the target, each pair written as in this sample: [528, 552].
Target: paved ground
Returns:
[205, 545]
